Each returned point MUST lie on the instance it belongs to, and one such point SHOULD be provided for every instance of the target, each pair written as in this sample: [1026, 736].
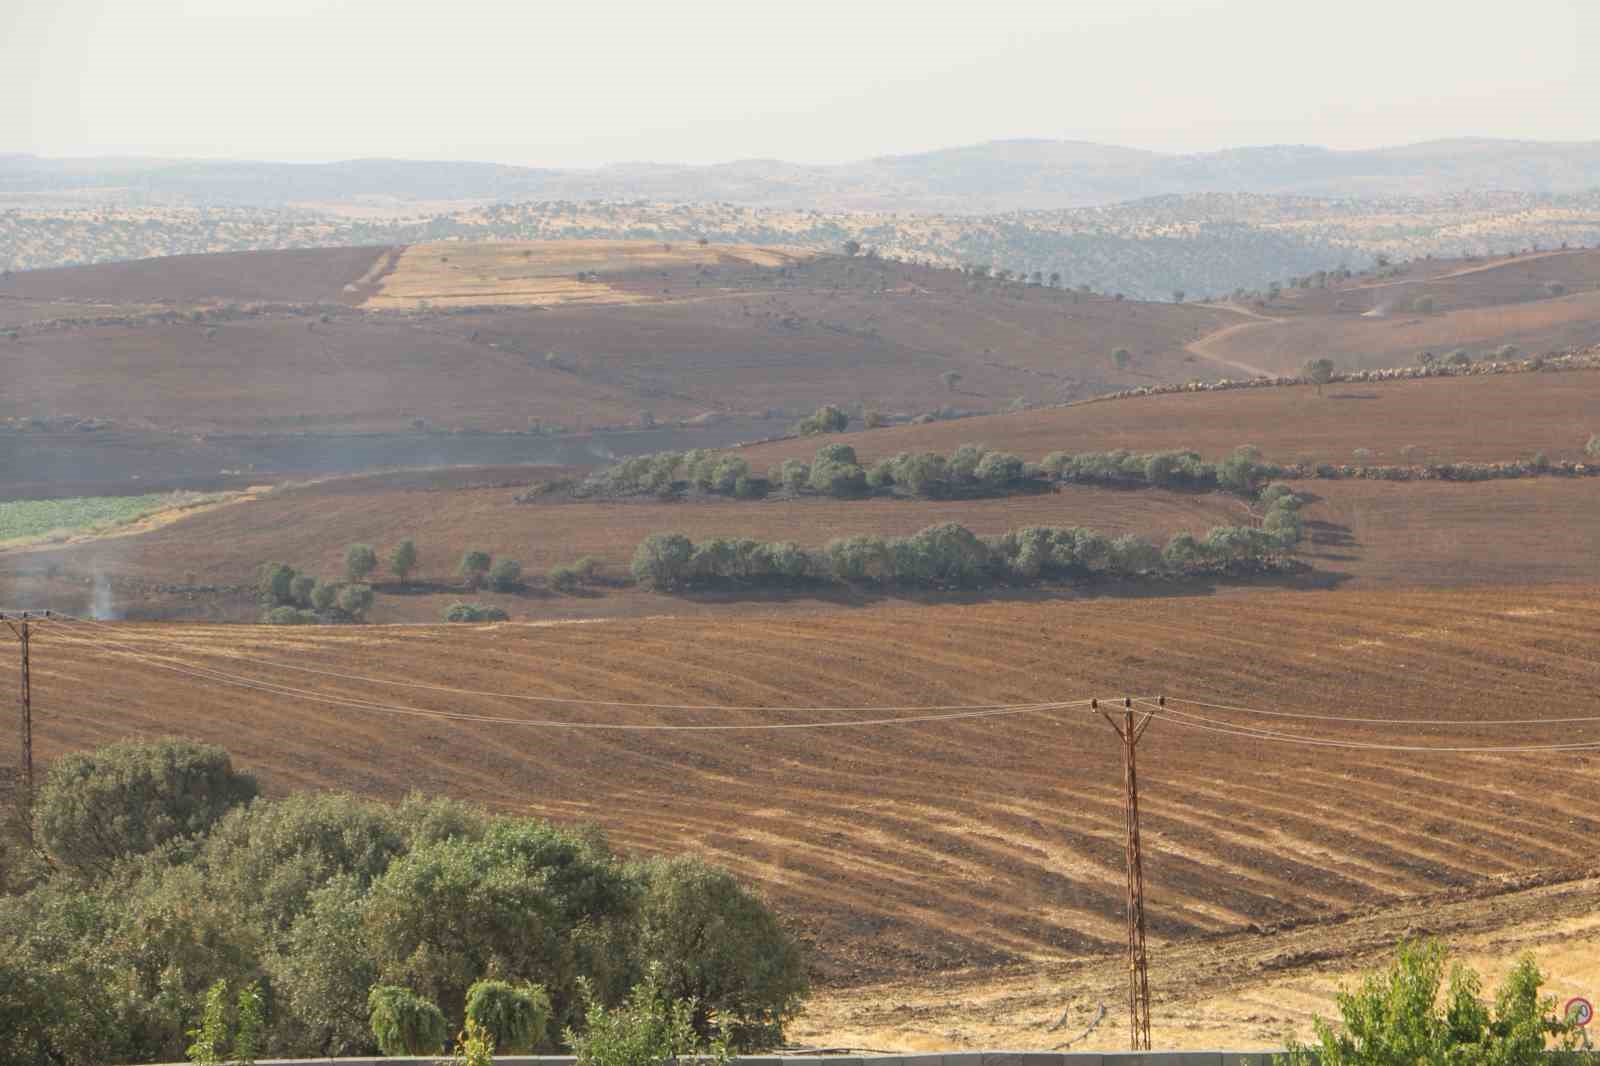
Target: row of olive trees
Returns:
[667, 473]
[162, 872]
[950, 555]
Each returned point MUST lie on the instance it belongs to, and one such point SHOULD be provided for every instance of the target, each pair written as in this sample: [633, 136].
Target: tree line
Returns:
[949, 555]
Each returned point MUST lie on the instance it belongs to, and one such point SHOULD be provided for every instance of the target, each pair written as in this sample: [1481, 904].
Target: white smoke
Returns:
[103, 607]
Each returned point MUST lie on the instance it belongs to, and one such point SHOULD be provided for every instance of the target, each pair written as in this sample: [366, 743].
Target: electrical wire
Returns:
[1386, 721]
[526, 697]
[271, 688]
[1213, 725]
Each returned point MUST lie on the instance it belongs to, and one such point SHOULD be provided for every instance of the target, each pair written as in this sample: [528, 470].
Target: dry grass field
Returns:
[520, 273]
[954, 853]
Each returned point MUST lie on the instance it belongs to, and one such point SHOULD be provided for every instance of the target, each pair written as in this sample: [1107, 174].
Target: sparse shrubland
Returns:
[171, 889]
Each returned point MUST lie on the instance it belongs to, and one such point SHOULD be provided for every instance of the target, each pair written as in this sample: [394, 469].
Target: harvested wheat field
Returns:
[1452, 419]
[919, 849]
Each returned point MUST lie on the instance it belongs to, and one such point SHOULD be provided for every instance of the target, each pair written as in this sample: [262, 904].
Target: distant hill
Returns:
[994, 176]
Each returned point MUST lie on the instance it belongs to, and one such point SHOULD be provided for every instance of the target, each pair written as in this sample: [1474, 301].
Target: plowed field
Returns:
[1485, 418]
[917, 848]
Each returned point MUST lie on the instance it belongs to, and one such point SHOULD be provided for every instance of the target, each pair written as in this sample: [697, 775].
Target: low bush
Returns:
[515, 1017]
[404, 1023]
[474, 612]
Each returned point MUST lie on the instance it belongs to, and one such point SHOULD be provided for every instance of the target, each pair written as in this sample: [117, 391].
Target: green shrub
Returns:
[1592, 449]
[290, 616]
[1400, 1016]
[515, 1017]
[564, 578]
[355, 600]
[647, 1029]
[404, 1023]
[133, 797]
[826, 419]
[474, 612]
[505, 575]
[211, 1035]
[325, 595]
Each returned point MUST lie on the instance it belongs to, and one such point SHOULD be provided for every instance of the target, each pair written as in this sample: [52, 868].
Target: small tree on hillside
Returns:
[403, 560]
[359, 561]
[1592, 449]
[355, 600]
[505, 575]
[404, 1023]
[1319, 372]
[1121, 358]
[950, 378]
[475, 567]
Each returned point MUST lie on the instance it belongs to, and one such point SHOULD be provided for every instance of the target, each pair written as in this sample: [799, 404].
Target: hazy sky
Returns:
[572, 83]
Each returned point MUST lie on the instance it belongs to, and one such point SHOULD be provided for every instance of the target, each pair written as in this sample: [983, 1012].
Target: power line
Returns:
[1389, 721]
[1214, 725]
[132, 634]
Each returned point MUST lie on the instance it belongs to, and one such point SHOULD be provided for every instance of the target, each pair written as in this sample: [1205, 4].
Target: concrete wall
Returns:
[958, 1058]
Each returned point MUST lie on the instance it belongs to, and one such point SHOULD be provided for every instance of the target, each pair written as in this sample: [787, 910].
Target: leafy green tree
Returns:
[132, 797]
[475, 568]
[1399, 1016]
[1121, 358]
[404, 1023]
[359, 561]
[646, 1029]
[403, 560]
[249, 1021]
[516, 1017]
[301, 588]
[662, 560]
[825, 419]
[325, 595]
[505, 575]
[1592, 449]
[275, 585]
[1318, 372]
[714, 943]
[355, 600]
[951, 379]
[211, 1035]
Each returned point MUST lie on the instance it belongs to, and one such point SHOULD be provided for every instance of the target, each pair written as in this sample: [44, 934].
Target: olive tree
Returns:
[359, 561]
[475, 567]
[132, 797]
[662, 560]
[505, 575]
[403, 560]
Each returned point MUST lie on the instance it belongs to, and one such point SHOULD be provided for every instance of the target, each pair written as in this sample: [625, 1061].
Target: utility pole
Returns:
[21, 628]
[1138, 970]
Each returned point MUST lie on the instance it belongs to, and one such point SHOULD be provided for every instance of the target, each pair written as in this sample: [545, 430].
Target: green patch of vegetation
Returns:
[176, 912]
[32, 519]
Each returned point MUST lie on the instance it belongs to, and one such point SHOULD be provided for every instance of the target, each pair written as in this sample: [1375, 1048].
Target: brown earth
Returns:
[1484, 419]
[1479, 306]
[963, 846]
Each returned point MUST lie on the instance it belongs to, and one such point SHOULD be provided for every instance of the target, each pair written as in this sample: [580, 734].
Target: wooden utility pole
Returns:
[21, 628]
[1138, 969]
